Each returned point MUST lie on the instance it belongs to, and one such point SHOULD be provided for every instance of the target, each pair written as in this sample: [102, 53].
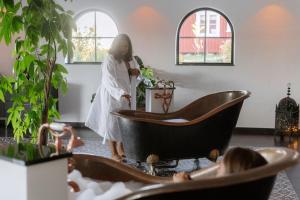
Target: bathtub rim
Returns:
[212, 112]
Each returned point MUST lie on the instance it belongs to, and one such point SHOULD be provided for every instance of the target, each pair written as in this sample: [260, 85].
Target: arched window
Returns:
[205, 37]
[93, 37]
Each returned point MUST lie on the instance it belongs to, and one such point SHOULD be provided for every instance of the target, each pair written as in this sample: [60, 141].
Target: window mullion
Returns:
[95, 21]
[205, 33]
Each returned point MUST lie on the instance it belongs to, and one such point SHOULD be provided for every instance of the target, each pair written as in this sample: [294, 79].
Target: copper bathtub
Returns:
[201, 129]
[252, 184]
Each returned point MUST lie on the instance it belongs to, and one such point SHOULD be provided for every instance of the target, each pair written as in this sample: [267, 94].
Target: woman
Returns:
[235, 160]
[113, 94]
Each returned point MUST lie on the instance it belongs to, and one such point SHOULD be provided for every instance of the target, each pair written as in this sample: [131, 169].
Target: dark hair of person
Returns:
[115, 48]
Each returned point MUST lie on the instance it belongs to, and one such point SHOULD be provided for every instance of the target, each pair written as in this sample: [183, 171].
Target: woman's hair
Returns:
[115, 48]
[240, 159]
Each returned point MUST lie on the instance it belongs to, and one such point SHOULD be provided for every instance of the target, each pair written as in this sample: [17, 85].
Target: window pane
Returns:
[199, 26]
[105, 26]
[191, 50]
[84, 50]
[218, 50]
[93, 37]
[85, 25]
[212, 29]
[103, 46]
[194, 25]
[225, 29]
[213, 24]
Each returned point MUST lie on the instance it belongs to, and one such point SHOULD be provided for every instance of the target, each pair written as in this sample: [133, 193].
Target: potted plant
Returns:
[42, 29]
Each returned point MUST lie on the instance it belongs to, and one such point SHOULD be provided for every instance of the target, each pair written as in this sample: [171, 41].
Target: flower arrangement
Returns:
[147, 80]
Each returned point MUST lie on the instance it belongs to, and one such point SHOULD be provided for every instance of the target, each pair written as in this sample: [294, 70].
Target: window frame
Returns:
[68, 59]
[204, 63]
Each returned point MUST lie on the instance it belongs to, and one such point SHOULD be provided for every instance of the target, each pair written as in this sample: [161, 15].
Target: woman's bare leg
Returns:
[113, 149]
[120, 149]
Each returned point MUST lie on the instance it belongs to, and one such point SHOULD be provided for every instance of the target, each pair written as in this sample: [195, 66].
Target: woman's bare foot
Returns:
[116, 157]
[114, 152]
[181, 177]
[120, 150]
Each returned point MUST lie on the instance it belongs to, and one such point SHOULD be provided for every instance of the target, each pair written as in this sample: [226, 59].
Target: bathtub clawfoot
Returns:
[213, 155]
[152, 159]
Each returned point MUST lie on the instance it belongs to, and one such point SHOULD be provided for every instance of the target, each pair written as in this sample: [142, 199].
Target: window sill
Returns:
[205, 64]
[83, 63]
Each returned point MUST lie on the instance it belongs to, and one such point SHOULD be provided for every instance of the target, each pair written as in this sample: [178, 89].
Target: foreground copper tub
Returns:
[209, 122]
[254, 184]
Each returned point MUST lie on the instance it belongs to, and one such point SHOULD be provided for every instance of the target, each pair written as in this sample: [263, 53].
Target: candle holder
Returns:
[287, 116]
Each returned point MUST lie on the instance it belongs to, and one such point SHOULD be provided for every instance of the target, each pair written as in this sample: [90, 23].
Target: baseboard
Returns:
[253, 131]
[75, 124]
[237, 130]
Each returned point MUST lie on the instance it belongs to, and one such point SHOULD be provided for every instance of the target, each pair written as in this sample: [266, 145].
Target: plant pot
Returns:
[43, 179]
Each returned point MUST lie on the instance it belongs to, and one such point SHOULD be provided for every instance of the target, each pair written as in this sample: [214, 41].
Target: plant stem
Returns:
[50, 68]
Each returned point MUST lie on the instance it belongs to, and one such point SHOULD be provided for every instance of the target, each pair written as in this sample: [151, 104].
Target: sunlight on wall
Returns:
[147, 19]
[271, 22]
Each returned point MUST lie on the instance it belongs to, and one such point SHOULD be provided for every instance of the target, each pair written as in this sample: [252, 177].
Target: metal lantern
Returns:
[287, 115]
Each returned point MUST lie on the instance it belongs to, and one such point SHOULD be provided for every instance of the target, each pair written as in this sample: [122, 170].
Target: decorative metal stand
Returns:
[155, 167]
[73, 142]
[166, 96]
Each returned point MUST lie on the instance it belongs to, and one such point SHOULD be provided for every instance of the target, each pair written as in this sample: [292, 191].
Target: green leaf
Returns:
[61, 68]
[28, 59]
[2, 96]
[31, 71]
[17, 23]
[6, 28]
[18, 44]
[8, 3]
[64, 87]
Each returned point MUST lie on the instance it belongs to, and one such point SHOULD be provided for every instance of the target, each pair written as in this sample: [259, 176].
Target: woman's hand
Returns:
[127, 98]
[134, 72]
[181, 177]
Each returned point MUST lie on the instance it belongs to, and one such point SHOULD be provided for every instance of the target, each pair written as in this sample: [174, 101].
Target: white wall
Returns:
[267, 52]
[6, 59]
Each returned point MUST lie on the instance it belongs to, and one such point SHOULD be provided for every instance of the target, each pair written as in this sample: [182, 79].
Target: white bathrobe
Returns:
[115, 82]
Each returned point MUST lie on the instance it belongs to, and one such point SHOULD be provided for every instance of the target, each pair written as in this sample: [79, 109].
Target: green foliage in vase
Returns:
[40, 30]
[148, 80]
